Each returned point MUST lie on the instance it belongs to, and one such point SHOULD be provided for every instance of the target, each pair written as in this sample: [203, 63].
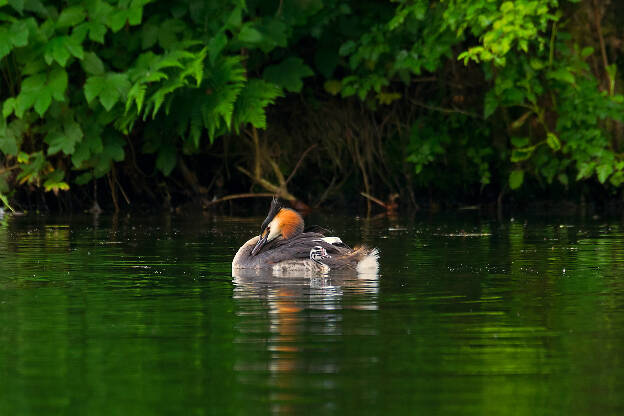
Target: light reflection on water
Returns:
[295, 312]
[467, 316]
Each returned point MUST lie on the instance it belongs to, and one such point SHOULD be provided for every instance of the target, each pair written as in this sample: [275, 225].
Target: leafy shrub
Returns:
[499, 91]
[79, 78]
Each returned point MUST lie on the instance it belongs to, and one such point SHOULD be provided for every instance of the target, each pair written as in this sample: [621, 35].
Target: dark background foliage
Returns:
[165, 103]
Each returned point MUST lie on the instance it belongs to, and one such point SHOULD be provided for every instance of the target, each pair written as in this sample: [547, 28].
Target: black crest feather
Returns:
[276, 205]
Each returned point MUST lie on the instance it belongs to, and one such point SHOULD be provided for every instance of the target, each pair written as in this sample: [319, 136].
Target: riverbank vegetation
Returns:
[163, 103]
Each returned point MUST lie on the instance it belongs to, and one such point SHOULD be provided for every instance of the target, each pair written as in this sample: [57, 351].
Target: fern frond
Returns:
[251, 103]
[136, 95]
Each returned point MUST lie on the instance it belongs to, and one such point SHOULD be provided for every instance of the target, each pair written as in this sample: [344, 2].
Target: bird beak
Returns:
[261, 242]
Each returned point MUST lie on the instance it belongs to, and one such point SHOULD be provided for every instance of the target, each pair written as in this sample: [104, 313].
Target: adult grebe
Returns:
[284, 246]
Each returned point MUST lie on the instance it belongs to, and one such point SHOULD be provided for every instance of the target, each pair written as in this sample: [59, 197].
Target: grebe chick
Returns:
[284, 246]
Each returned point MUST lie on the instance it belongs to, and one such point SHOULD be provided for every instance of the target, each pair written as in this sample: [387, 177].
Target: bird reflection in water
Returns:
[296, 321]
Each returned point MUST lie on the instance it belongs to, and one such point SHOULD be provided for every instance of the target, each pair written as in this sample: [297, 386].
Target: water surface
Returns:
[132, 315]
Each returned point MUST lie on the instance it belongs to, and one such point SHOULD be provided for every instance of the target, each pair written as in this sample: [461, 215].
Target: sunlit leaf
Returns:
[553, 141]
[8, 107]
[519, 155]
[604, 171]
[5, 201]
[516, 178]
[562, 74]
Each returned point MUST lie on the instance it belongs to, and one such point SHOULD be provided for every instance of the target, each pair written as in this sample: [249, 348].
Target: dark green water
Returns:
[468, 316]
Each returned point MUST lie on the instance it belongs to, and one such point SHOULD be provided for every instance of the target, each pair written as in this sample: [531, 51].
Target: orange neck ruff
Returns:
[290, 222]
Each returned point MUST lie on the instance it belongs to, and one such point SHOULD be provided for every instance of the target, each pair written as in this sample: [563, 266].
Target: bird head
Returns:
[281, 222]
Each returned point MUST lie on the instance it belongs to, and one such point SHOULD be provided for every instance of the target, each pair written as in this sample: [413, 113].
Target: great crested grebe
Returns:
[284, 246]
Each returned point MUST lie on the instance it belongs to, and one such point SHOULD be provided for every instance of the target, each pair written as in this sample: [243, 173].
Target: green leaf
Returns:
[537, 64]
[8, 145]
[561, 74]
[42, 103]
[92, 64]
[585, 170]
[71, 16]
[74, 47]
[54, 181]
[250, 34]
[34, 66]
[168, 33]
[35, 82]
[490, 105]
[64, 140]
[604, 171]
[90, 146]
[332, 86]
[274, 34]
[113, 147]
[56, 50]
[40, 89]
[347, 48]
[11, 136]
[19, 34]
[288, 74]
[5, 201]
[47, 29]
[117, 87]
[519, 155]
[516, 178]
[84, 178]
[118, 20]
[235, 19]
[57, 83]
[57, 141]
[8, 107]
[110, 88]
[617, 178]
[93, 87]
[79, 33]
[5, 42]
[553, 141]
[18, 5]
[31, 88]
[216, 45]
[149, 35]
[167, 159]
[586, 51]
[73, 132]
[97, 31]
[135, 15]
[520, 141]
[99, 11]
[24, 101]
